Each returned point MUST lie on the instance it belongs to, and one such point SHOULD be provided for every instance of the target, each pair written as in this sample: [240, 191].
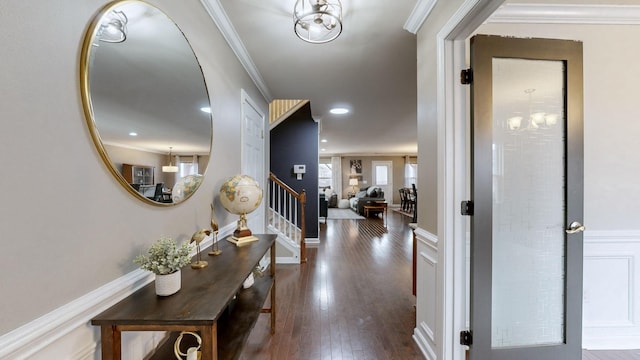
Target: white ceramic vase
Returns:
[248, 282]
[168, 284]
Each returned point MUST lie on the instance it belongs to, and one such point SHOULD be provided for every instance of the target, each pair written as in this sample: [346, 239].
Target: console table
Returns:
[211, 302]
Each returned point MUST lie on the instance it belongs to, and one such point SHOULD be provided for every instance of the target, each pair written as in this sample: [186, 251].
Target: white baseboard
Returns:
[67, 327]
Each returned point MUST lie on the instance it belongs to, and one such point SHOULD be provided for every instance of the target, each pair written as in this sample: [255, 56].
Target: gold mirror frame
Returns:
[87, 59]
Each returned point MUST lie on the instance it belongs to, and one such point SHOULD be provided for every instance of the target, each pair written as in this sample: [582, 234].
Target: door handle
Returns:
[575, 227]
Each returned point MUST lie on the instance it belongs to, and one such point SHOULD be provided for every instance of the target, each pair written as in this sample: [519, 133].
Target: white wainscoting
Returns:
[426, 293]
[611, 295]
[66, 333]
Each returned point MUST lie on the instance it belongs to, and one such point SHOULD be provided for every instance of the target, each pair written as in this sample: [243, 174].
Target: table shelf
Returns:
[234, 325]
[211, 301]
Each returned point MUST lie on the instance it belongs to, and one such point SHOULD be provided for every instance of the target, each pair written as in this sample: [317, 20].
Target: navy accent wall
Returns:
[295, 142]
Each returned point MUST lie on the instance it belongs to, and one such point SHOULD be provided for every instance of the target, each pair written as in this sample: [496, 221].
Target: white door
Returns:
[382, 172]
[253, 155]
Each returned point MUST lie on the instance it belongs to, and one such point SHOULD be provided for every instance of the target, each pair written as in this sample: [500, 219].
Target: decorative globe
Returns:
[240, 194]
[185, 187]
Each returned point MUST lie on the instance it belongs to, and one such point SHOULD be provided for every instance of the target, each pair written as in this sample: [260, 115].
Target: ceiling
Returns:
[370, 69]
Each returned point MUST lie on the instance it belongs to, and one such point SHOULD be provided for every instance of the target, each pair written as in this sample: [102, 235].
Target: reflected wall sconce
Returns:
[170, 168]
[317, 21]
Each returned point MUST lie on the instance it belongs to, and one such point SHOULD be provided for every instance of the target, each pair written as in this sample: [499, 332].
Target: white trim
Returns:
[419, 15]
[288, 260]
[622, 248]
[31, 338]
[34, 336]
[451, 160]
[452, 154]
[619, 236]
[427, 238]
[428, 352]
[567, 14]
[314, 242]
[220, 18]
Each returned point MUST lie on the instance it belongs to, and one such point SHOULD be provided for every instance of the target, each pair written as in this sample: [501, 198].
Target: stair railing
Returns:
[286, 207]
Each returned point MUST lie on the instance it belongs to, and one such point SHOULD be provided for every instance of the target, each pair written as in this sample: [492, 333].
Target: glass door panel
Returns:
[528, 257]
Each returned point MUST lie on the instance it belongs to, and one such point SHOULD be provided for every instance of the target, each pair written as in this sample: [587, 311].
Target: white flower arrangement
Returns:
[165, 257]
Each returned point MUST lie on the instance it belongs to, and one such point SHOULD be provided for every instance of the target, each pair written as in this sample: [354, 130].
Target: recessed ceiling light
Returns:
[206, 109]
[133, 133]
[339, 111]
[323, 140]
[323, 149]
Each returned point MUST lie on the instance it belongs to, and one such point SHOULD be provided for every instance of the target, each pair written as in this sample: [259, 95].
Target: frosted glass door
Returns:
[526, 253]
[528, 267]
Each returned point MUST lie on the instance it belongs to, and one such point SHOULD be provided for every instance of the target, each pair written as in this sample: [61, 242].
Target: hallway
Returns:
[351, 300]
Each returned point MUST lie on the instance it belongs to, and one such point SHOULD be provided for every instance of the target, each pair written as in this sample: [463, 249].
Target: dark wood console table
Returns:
[211, 302]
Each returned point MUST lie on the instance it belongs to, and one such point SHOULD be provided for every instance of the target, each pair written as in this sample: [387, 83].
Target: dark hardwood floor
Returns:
[352, 299]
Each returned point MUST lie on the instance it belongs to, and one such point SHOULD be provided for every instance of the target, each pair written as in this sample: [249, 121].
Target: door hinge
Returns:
[466, 76]
[466, 208]
[466, 338]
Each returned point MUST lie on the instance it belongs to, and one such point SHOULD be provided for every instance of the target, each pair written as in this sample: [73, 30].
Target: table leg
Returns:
[273, 288]
[111, 342]
[209, 346]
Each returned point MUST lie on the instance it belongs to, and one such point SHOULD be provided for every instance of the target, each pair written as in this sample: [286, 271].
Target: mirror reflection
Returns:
[146, 102]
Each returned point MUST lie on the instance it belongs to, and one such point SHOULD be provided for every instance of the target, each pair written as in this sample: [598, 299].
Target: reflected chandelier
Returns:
[317, 21]
[537, 120]
[170, 168]
[113, 28]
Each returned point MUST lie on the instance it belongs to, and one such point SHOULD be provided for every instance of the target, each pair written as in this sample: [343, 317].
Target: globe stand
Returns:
[242, 235]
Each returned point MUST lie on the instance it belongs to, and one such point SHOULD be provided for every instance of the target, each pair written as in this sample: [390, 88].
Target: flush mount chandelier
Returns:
[317, 21]
[113, 28]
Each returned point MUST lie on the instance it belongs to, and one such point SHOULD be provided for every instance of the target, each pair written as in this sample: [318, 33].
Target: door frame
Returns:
[257, 218]
[453, 164]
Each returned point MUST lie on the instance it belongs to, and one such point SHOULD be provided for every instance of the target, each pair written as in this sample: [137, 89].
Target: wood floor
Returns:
[352, 299]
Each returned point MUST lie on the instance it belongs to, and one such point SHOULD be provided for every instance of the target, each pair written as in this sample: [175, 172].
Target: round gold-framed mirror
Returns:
[146, 102]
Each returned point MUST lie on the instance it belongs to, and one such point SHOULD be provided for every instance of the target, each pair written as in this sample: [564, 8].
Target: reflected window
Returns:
[188, 166]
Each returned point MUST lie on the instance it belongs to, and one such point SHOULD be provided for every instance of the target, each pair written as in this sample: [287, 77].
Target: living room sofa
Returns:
[365, 196]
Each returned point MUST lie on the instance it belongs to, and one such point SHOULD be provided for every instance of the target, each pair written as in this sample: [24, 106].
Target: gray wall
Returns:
[66, 226]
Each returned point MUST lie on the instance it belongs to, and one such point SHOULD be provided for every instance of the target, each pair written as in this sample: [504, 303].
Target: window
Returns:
[187, 165]
[325, 175]
[410, 174]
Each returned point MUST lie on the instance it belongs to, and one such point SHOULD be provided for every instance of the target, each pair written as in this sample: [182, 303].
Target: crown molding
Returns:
[541, 14]
[220, 18]
[566, 14]
[419, 15]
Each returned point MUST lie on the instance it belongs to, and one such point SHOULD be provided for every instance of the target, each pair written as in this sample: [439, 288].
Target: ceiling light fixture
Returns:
[170, 168]
[317, 21]
[339, 111]
[114, 27]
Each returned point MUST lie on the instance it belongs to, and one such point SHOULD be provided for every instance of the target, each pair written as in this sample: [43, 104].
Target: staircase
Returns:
[286, 219]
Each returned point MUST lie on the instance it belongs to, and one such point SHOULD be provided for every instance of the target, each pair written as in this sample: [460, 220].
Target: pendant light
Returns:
[170, 168]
